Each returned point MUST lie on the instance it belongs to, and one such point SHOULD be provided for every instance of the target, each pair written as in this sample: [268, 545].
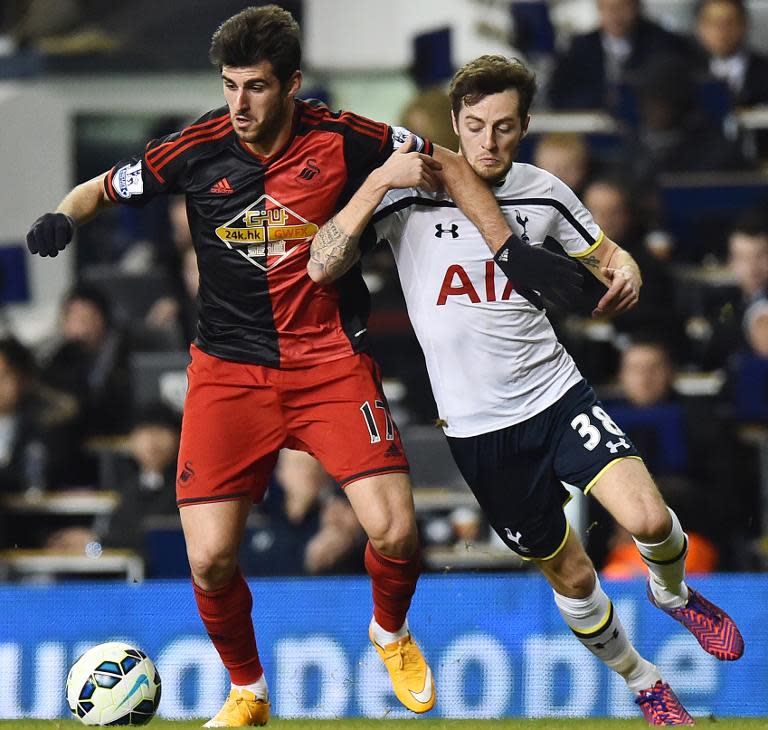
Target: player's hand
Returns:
[533, 269]
[623, 292]
[408, 169]
[50, 233]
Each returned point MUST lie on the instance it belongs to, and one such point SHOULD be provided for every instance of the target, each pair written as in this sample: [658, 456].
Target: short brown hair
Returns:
[256, 34]
[491, 75]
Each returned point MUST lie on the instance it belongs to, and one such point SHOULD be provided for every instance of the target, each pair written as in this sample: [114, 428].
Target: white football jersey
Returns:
[493, 358]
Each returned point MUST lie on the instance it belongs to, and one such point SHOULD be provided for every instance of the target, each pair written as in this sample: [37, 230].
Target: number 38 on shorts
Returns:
[597, 427]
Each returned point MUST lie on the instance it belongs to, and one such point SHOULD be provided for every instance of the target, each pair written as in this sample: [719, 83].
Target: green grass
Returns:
[727, 723]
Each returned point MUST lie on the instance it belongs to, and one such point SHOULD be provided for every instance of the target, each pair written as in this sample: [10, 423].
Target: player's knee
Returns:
[397, 540]
[650, 522]
[212, 569]
[579, 579]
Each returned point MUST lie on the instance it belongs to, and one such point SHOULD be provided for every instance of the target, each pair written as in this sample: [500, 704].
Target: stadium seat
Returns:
[430, 458]
[159, 376]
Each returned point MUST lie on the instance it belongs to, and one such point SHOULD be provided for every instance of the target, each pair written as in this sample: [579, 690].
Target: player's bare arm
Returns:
[332, 253]
[614, 267]
[334, 249]
[474, 198]
[51, 232]
[85, 200]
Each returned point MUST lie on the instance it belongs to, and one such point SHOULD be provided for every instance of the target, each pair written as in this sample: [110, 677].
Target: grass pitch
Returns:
[728, 723]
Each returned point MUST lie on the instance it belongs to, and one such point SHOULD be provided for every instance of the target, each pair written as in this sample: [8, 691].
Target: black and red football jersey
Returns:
[252, 221]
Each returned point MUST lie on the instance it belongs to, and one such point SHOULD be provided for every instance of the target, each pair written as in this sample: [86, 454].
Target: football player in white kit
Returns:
[519, 417]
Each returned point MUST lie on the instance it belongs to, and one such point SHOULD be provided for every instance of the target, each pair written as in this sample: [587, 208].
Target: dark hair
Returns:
[615, 182]
[739, 5]
[93, 295]
[648, 339]
[752, 222]
[491, 75]
[18, 358]
[256, 34]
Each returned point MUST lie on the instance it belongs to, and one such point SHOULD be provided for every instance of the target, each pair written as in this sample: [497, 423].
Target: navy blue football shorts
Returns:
[516, 473]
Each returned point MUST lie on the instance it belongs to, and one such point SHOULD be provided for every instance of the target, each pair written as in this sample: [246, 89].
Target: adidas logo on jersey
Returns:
[393, 450]
[223, 187]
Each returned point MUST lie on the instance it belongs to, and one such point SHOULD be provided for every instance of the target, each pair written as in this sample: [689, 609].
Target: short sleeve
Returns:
[368, 145]
[572, 224]
[162, 167]
[134, 181]
[388, 222]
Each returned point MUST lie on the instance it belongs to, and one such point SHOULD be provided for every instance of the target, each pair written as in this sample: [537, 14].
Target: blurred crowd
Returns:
[680, 183]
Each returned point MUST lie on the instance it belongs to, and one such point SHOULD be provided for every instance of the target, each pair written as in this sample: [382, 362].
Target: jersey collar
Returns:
[269, 160]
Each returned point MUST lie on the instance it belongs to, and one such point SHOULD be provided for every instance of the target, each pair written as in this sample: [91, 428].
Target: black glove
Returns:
[50, 233]
[532, 268]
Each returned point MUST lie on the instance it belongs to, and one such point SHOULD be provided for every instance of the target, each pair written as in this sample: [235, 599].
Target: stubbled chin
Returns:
[488, 174]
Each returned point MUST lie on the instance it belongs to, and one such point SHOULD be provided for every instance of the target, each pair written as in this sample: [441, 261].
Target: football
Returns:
[113, 684]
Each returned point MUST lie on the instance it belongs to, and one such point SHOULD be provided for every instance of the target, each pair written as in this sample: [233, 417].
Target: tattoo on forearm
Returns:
[332, 250]
[591, 262]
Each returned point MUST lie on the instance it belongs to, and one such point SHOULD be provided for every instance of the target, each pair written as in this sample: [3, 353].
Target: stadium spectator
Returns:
[308, 529]
[90, 362]
[38, 437]
[747, 388]
[748, 368]
[721, 29]
[146, 480]
[588, 73]
[567, 156]
[616, 209]
[756, 327]
[426, 115]
[176, 313]
[673, 132]
[721, 309]
[674, 435]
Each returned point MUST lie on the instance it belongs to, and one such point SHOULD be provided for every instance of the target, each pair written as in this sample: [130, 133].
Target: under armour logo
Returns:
[524, 223]
[310, 170]
[453, 230]
[516, 539]
[614, 447]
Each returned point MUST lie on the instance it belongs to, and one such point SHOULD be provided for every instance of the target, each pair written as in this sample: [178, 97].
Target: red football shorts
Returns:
[238, 416]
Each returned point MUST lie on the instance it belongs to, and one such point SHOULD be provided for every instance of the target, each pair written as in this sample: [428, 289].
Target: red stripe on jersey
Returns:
[155, 154]
[347, 123]
[376, 127]
[108, 185]
[197, 130]
[192, 128]
[377, 130]
[191, 143]
[345, 116]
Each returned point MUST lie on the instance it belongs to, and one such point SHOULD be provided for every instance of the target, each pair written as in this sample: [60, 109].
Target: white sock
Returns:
[666, 565]
[597, 626]
[383, 637]
[259, 688]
